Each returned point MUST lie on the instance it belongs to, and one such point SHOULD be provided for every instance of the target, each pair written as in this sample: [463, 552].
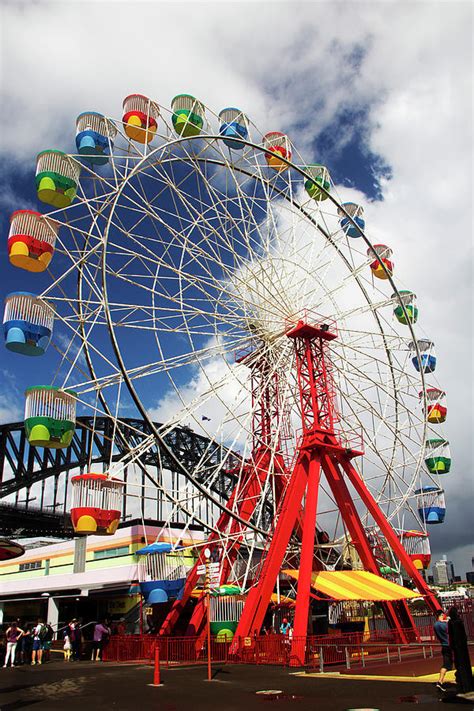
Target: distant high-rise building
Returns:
[443, 572]
[470, 577]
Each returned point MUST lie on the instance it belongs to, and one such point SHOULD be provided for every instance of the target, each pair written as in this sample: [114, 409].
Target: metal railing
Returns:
[315, 653]
[353, 656]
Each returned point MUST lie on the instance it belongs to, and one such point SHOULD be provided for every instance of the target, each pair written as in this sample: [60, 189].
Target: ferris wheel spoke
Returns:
[196, 217]
[189, 262]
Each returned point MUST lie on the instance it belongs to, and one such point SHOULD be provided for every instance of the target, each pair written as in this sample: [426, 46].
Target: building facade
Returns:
[92, 578]
[443, 572]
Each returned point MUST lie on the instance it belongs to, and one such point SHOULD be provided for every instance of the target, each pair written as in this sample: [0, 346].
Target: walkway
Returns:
[125, 687]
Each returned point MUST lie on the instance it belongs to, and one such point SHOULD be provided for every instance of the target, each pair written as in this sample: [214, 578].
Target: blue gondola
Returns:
[233, 125]
[27, 323]
[431, 504]
[427, 360]
[95, 136]
[357, 214]
[161, 572]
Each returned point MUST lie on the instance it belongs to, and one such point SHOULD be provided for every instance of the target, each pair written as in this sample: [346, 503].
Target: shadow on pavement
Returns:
[19, 705]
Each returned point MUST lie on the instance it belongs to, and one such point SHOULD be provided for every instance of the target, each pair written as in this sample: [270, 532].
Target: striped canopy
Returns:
[355, 585]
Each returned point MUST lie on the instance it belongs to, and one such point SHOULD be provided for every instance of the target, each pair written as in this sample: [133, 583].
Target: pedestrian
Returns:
[37, 657]
[101, 637]
[121, 627]
[285, 627]
[441, 632]
[459, 648]
[26, 645]
[75, 635]
[67, 645]
[13, 635]
[47, 641]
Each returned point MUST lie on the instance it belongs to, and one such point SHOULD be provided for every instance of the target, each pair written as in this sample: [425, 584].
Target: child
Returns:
[67, 647]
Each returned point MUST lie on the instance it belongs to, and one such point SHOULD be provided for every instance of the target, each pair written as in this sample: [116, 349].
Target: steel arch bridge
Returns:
[34, 482]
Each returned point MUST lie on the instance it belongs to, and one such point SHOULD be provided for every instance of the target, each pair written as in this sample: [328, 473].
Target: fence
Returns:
[424, 621]
[174, 651]
[317, 652]
[312, 651]
[353, 656]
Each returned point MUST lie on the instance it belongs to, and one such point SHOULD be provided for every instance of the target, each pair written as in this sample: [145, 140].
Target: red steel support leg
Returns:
[248, 495]
[357, 532]
[390, 535]
[259, 596]
[300, 626]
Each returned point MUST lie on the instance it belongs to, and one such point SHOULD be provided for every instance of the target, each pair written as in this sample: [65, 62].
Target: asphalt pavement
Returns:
[92, 686]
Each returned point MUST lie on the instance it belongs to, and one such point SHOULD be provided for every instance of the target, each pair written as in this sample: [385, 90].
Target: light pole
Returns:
[207, 592]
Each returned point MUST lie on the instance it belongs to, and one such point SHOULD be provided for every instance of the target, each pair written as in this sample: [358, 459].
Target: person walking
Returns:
[101, 637]
[121, 627]
[26, 645]
[285, 627]
[459, 648]
[13, 636]
[441, 631]
[75, 635]
[67, 645]
[47, 637]
[38, 632]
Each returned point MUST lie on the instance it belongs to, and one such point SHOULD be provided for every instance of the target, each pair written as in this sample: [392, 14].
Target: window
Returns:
[111, 552]
[36, 565]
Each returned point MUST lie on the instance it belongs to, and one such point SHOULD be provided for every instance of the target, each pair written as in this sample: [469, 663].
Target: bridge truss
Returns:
[34, 483]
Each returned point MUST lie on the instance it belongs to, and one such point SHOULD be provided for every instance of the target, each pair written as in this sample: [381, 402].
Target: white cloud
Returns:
[10, 408]
[291, 66]
[218, 391]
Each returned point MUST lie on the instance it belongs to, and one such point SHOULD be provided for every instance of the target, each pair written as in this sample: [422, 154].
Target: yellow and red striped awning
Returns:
[355, 585]
[281, 600]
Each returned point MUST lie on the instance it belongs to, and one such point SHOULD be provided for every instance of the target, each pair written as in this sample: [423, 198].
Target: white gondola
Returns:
[27, 323]
[57, 178]
[31, 240]
[95, 135]
[431, 504]
[50, 416]
[161, 572]
[96, 504]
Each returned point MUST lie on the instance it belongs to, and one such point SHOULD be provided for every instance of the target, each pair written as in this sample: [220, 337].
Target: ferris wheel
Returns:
[206, 277]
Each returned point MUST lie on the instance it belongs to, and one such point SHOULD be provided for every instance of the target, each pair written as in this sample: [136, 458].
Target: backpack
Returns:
[44, 633]
[50, 633]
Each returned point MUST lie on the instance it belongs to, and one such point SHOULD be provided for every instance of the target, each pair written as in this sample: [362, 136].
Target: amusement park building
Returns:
[88, 577]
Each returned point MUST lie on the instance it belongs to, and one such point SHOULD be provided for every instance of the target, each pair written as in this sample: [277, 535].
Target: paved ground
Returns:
[409, 668]
[89, 686]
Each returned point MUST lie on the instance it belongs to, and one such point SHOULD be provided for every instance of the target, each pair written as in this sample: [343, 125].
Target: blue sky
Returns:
[357, 86]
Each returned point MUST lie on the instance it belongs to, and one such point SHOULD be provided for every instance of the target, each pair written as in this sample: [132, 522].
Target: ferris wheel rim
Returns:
[146, 158]
[301, 210]
[135, 170]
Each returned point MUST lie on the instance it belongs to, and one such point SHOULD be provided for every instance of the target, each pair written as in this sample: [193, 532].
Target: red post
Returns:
[141, 614]
[156, 671]
[300, 625]
[209, 665]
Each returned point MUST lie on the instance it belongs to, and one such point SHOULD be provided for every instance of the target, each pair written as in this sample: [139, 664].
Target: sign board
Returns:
[213, 570]
[247, 641]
